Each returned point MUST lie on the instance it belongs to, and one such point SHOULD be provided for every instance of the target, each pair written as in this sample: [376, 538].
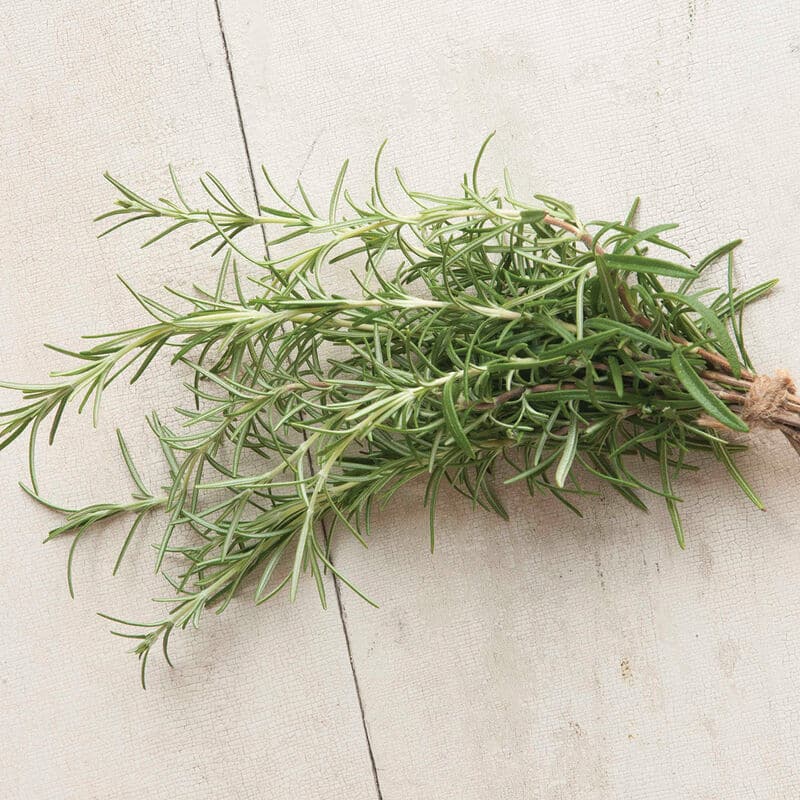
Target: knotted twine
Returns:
[766, 397]
[764, 401]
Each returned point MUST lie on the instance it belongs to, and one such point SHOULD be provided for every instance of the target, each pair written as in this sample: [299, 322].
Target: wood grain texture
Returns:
[554, 657]
[262, 703]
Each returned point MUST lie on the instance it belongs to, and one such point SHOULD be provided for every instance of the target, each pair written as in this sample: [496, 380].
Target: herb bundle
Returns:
[482, 329]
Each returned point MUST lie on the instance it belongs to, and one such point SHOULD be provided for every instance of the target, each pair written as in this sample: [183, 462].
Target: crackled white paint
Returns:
[549, 657]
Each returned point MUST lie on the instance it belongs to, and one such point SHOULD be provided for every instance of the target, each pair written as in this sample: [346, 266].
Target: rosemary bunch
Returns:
[483, 329]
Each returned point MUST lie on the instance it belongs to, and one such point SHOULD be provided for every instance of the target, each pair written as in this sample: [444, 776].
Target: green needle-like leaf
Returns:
[694, 384]
[649, 266]
[490, 343]
[567, 454]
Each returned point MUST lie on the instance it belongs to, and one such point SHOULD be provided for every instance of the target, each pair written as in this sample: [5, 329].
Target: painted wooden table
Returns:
[550, 657]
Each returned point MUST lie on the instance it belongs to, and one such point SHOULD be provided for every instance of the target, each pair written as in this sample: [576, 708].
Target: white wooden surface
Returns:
[547, 658]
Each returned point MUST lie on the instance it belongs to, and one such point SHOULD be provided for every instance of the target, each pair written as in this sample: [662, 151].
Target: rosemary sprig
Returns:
[486, 331]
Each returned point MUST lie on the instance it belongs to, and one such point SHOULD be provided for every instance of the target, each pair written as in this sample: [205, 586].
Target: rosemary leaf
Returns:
[490, 340]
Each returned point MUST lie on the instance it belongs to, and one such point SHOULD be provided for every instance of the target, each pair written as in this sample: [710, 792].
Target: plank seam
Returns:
[337, 588]
[356, 684]
[239, 117]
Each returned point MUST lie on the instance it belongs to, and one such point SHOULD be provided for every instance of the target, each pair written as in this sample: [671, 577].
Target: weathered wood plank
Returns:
[262, 703]
[556, 657]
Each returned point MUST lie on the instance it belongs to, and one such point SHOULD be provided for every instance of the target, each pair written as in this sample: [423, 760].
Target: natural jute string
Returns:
[764, 404]
[766, 397]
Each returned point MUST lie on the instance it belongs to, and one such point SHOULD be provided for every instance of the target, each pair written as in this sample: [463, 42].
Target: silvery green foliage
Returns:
[485, 329]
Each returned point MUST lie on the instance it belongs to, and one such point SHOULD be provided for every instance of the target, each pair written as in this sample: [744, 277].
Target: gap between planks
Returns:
[336, 586]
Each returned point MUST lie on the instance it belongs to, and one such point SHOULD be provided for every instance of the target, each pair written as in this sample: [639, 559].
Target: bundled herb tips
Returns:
[481, 329]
